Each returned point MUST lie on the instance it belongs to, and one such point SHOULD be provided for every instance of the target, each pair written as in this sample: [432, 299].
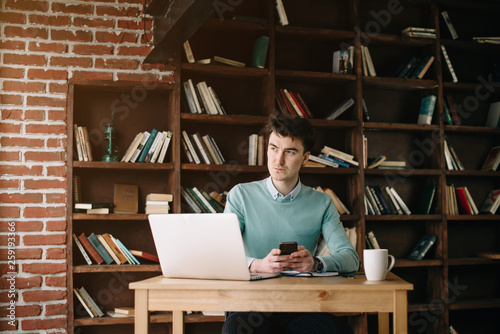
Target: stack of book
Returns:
[491, 203]
[122, 312]
[386, 202]
[334, 158]
[199, 201]
[103, 248]
[381, 162]
[95, 207]
[158, 203]
[492, 159]
[419, 32]
[460, 201]
[414, 68]
[339, 205]
[202, 99]
[367, 62]
[343, 61]
[201, 149]
[148, 146]
[88, 303]
[291, 104]
[83, 149]
[451, 158]
[256, 150]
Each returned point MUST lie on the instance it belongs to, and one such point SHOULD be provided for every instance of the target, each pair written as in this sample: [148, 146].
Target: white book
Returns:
[199, 144]
[84, 304]
[194, 207]
[84, 252]
[292, 102]
[204, 200]
[139, 148]
[368, 207]
[363, 61]
[454, 155]
[215, 101]
[252, 149]
[337, 153]
[448, 64]
[219, 153]
[195, 97]
[211, 149]
[191, 147]
[393, 200]
[401, 203]
[131, 149]
[207, 97]
[260, 151]
[473, 206]
[189, 52]
[129, 260]
[159, 147]
[164, 148]
[78, 144]
[281, 12]
[157, 141]
[447, 157]
[91, 302]
[369, 63]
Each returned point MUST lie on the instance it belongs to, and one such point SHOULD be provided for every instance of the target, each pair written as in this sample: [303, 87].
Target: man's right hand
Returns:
[272, 263]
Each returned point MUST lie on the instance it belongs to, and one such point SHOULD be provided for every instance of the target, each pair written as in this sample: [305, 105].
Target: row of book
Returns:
[83, 149]
[104, 248]
[414, 68]
[201, 149]
[291, 104]
[419, 32]
[460, 201]
[332, 158]
[93, 310]
[199, 201]
[386, 202]
[451, 157]
[148, 146]
[256, 150]
[202, 99]
[339, 205]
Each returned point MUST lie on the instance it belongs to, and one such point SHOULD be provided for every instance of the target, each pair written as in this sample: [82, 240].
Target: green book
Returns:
[100, 248]
[447, 114]
[260, 52]
[427, 110]
[426, 199]
[146, 148]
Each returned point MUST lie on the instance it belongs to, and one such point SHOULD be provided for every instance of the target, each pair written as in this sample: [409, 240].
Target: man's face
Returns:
[285, 156]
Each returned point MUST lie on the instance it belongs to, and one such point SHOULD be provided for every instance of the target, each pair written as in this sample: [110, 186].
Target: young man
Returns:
[280, 208]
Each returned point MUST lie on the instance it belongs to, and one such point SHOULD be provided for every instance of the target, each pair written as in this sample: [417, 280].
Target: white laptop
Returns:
[207, 246]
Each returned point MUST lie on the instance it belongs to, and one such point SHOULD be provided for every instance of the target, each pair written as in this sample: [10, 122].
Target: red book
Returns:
[144, 255]
[453, 111]
[463, 203]
[287, 103]
[90, 249]
[294, 98]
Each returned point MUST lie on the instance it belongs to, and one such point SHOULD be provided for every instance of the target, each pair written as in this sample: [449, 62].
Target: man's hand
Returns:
[301, 260]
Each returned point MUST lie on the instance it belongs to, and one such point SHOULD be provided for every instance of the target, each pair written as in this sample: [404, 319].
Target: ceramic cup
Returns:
[376, 263]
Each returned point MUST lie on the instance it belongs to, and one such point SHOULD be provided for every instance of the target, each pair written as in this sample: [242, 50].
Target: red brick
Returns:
[45, 268]
[58, 88]
[11, 99]
[5, 239]
[36, 73]
[50, 20]
[116, 38]
[9, 156]
[117, 11]
[45, 101]
[24, 59]
[56, 254]
[84, 75]
[20, 142]
[47, 239]
[9, 212]
[71, 35]
[24, 311]
[140, 51]
[69, 8]
[56, 225]
[71, 61]
[93, 22]
[12, 45]
[135, 24]
[30, 32]
[92, 49]
[21, 170]
[38, 324]
[25, 225]
[23, 254]
[11, 17]
[34, 115]
[27, 5]
[10, 127]
[122, 64]
[13, 73]
[21, 198]
[40, 212]
[46, 128]
[12, 114]
[22, 282]
[7, 325]
[59, 171]
[48, 47]
[56, 115]
[8, 184]
[56, 309]
[43, 295]
[24, 87]
[56, 281]
[44, 184]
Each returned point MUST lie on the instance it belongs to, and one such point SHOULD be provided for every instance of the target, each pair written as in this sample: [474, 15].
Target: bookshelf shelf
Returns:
[402, 41]
[404, 172]
[316, 34]
[400, 83]
[93, 269]
[246, 120]
[223, 71]
[109, 217]
[374, 126]
[122, 165]
[473, 173]
[471, 261]
[404, 263]
[473, 217]
[473, 130]
[318, 77]
[224, 168]
[476, 304]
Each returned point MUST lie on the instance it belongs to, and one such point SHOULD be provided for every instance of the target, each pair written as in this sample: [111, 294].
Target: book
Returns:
[449, 66]
[88, 148]
[419, 34]
[492, 159]
[341, 208]
[211, 149]
[422, 247]
[114, 248]
[366, 115]
[226, 61]
[218, 104]
[189, 52]
[132, 147]
[125, 310]
[159, 197]
[193, 93]
[217, 150]
[98, 211]
[376, 162]
[472, 204]
[147, 146]
[454, 156]
[426, 199]
[202, 149]
[422, 67]
[323, 161]
[130, 258]
[78, 144]
[90, 249]
[145, 255]
[449, 25]
[493, 118]
[491, 203]
[373, 240]
[418, 29]
[340, 62]
[155, 147]
[207, 99]
[204, 202]
[126, 198]
[193, 206]
[339, 154]
[260, 48]
[371, 199]
[406, 69]
[190, 148]
[281, 13]
[253, 141]
[395, 203]
[394, 164]
[427, 106]
[82, 250]
[369, 61]
[164, 148]
[93, 205]
[92, 304]
[140, 147]
[114, 314]
[77, 188]
[83, 303]
[453, 110]
[400, 201]
[100, 248]
[490, 255]
[340, 109]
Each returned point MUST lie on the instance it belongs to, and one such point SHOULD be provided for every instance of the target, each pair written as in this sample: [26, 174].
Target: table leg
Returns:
[141, 323]
[178, 322]
[400, 316]
[383, 323]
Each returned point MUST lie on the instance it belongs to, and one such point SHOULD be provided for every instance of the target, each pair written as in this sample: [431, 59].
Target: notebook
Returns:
[207, 246]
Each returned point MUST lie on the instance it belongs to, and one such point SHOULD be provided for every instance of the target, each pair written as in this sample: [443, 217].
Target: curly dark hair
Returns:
[295, 127]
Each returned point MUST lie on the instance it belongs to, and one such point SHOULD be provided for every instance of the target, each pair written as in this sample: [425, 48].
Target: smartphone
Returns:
[288, 248]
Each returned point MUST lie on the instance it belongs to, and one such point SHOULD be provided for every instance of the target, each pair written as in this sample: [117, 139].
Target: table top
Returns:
[391, 283]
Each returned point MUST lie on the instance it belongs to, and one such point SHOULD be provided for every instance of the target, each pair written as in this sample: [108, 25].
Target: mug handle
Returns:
[393, 261]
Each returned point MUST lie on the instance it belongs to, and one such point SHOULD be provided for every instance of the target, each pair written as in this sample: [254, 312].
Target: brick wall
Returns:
[43, 45]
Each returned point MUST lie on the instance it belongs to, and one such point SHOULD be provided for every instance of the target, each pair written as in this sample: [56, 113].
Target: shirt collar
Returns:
[276, 194]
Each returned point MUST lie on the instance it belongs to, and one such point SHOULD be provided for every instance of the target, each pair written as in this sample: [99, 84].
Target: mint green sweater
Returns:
[265, 222]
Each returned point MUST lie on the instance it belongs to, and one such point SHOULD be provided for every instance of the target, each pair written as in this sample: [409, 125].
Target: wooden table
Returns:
[284, 294]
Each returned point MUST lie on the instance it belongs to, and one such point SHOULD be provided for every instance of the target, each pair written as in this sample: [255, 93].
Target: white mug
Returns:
[375, 262]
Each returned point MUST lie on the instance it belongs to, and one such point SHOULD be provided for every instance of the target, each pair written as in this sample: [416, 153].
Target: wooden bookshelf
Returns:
[300, 59]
